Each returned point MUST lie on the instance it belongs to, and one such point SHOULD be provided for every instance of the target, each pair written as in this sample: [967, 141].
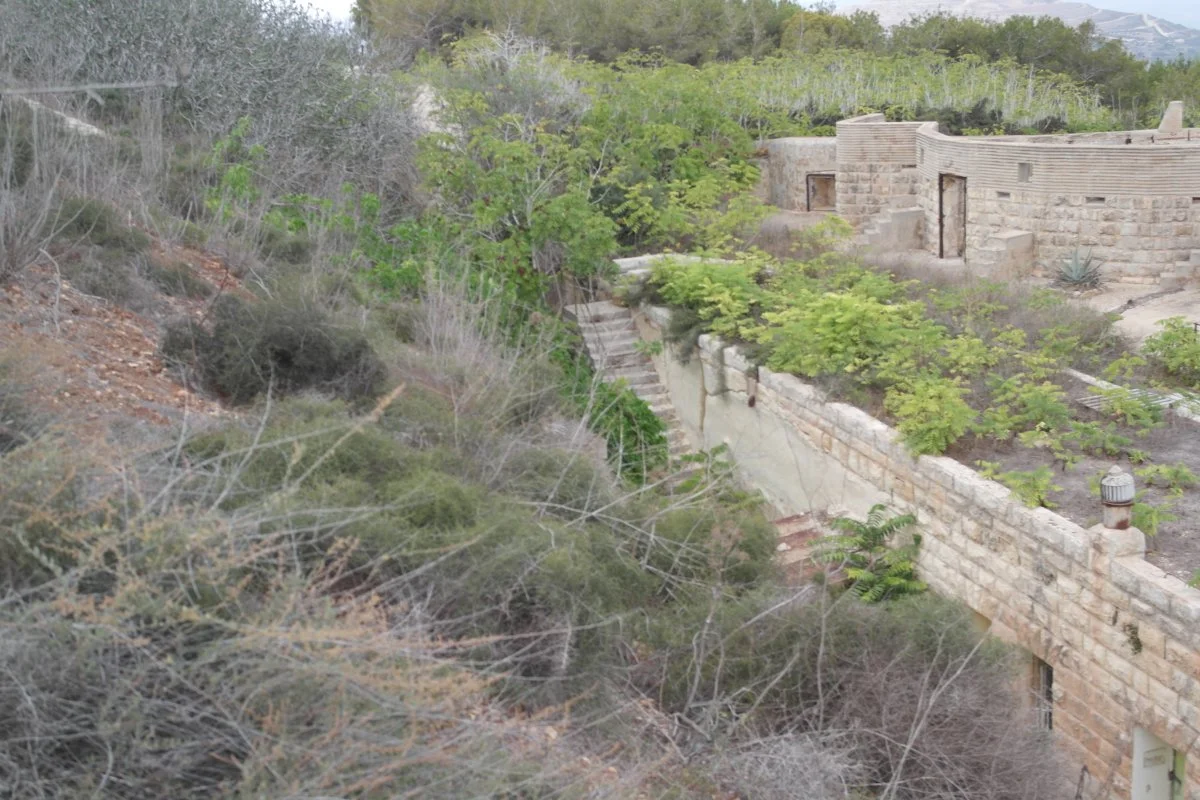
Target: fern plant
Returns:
[1080, 272]
[873, 570]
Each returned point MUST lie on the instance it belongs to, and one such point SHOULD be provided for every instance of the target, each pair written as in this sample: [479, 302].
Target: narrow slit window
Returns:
[1043, 693]
[1004, 195]
[1095, 201]
[1024, 171]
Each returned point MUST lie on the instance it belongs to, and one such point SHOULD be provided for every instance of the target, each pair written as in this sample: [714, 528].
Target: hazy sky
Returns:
[339, 9]
[1185, 12]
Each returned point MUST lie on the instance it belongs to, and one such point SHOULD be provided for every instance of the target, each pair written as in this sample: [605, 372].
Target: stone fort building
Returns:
[1007, 205]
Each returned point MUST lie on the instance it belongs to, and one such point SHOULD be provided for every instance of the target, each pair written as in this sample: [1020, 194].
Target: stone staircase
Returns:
[1182, 274]
[797, 536]
[898, 228]
[611, 338]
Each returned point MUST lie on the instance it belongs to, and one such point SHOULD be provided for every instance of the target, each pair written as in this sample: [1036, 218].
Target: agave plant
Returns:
[1080, 271]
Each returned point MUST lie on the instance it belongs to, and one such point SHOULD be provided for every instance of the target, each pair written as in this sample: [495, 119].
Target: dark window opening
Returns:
[1043, 693]
[1095, 201]
[821, 191]
[1024, 171]
[1004, 195]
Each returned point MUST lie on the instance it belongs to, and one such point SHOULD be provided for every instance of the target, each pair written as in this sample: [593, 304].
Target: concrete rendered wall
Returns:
[1068, 595]
[790, 160]
[1135, 207]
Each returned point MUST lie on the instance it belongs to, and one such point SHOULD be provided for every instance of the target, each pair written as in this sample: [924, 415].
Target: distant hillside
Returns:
[1146, 36]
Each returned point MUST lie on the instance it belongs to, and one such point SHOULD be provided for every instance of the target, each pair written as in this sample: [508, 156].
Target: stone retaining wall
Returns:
[1123, 637]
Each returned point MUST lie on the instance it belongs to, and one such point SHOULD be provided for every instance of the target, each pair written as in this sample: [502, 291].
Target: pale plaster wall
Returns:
[1064, 593]
[771, 456]
[790, 161]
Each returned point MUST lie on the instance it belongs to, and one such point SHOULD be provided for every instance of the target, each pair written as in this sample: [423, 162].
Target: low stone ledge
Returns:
[735, 359]
[659, 316]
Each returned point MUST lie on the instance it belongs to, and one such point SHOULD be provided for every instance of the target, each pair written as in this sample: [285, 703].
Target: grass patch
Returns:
[177, 279]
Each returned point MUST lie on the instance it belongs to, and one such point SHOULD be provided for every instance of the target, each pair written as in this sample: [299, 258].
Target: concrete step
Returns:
[598, 311]
[635, 377]
[660, 407]
[613, 342]
[607, 362]
[601, 351]
[611, 338]
[614, 325]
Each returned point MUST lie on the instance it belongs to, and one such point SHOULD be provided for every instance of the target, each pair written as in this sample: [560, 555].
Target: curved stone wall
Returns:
[1135, 207]
[876, 167]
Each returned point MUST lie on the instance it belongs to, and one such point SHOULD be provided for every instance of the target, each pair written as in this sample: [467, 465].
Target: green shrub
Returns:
[847, 333]
[567, 483]
[1176, 348]
[82, 219]
[1031, 487]
[636, 437]
[1147, 517]
[16, 147]
[1098, 440]
[275, 346]
[310, 438]
[46, 522]
[931, 414]
[281, 245]
[109, 274]
[192, 235]
[724, 295]
[435, 500]
[20, 423]
[177, 279]
[1175, 477]
[1135, 410]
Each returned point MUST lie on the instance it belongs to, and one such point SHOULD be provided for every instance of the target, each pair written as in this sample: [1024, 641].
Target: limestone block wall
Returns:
[790, 161]
[1122, 637]
[1136, 207]
[876, 167]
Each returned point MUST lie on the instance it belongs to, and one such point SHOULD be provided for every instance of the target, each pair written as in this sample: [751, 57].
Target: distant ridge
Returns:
[1145, 36]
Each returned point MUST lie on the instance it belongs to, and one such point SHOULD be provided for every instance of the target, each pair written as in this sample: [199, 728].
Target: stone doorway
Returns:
[822, 191]
[952, 216]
